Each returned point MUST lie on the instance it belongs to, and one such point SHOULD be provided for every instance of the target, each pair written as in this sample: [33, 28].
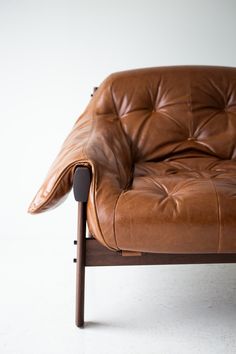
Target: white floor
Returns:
[133, 310]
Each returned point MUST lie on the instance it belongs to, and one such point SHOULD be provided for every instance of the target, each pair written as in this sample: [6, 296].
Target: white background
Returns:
[52, 53]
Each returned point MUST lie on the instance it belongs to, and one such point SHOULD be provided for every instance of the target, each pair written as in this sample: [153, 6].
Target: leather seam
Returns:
[128, 180]
[219, 217]
[95, 209]
[129, 142]
[115, 208]
[114, 217]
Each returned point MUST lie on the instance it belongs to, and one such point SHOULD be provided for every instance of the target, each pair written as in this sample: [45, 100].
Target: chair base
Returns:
[98, 255]
[90, 253]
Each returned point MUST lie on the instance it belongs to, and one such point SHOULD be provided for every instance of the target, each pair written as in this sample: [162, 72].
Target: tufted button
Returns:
[191, 138]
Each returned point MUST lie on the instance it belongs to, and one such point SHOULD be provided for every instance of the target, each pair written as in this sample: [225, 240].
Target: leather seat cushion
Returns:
[179, 205]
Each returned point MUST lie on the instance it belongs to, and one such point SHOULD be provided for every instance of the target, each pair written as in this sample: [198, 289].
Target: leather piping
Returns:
[218, 216]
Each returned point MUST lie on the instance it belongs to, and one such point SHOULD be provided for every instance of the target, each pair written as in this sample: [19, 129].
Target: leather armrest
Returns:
[98, 141]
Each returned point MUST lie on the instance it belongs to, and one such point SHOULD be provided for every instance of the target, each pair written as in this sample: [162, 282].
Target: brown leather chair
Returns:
[153, 163]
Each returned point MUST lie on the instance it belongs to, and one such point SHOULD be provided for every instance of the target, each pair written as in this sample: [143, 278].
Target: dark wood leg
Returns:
[81, 185]
[80, 264]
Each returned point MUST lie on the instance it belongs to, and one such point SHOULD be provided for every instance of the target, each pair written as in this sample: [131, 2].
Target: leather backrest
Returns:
[168, 111]
[150, 114]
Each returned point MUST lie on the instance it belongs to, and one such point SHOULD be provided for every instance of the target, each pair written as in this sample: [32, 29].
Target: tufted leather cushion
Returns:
[161, 143]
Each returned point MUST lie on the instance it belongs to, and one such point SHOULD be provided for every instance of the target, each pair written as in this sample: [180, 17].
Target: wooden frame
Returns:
[91, 253]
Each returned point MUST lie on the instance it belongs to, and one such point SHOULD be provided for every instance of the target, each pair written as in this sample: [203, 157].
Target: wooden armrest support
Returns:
[81, 183]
